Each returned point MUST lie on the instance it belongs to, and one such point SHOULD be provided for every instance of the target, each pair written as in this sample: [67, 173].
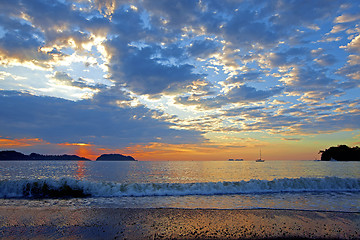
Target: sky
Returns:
[180, 80]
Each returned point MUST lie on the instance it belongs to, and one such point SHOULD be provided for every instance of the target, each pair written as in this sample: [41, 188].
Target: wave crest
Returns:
[71, 188]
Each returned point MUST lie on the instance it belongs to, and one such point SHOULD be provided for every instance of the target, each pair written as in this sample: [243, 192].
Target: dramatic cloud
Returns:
[144, 73]
[58, 121]
[121, 72]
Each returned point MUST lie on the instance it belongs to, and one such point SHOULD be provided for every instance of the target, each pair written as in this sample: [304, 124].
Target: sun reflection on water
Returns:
[80, 171]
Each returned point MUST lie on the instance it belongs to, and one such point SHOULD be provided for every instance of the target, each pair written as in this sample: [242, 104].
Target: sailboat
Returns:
[260, 160]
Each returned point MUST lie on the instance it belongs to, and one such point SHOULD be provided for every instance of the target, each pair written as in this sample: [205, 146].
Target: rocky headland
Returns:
[341, 153]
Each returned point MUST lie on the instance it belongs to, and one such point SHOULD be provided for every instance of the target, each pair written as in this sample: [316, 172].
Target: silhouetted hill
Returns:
[341, 153]
[13, 155]
[17, 156]
[115, 157]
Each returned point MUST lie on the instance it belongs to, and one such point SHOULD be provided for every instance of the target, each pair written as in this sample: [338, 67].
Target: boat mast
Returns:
[260, 153]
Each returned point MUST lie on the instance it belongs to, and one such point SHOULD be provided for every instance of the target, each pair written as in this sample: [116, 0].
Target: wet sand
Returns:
[119, 223]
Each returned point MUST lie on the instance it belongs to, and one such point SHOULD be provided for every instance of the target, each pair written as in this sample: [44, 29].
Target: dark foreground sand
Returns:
[107, 223]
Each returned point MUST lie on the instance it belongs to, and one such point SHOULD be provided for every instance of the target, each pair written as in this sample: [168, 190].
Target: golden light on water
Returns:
[80, 171]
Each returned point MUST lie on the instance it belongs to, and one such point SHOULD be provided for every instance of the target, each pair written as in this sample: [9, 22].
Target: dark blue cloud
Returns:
[326, 60]
[245, 93]
[203, 48]
[238, 94]
[128, 25]
[245, 29]
[352, 72]
[309, 118]
[141, 71]
[310, 79]
[291, 56]
[177, 14]
[21, 40]
[57, 120]
[24, 39]
[299, 12]
[245, 77]
[20, 45]
[331, 123]
[242, 110]
[52, 14]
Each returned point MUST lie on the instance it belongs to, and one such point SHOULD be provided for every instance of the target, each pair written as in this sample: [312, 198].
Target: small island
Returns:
[11, 155]
[341, 153]
[115, 157]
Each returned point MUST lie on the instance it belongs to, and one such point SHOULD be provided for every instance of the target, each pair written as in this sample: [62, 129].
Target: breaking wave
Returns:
[71, 188]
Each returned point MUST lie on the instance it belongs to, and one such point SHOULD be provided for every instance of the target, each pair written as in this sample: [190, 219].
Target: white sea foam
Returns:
[68, 187]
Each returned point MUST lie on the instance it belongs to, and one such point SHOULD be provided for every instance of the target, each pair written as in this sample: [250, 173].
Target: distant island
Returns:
[17, 156]
[11, 155]
[115, 157]
[341, 153]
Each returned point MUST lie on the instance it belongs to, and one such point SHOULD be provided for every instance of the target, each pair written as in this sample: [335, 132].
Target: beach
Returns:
[172, 223]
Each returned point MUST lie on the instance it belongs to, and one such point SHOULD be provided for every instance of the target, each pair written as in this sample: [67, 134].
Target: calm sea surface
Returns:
[308, 185]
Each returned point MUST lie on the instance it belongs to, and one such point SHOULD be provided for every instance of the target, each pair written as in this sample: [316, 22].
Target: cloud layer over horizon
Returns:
[116, 73]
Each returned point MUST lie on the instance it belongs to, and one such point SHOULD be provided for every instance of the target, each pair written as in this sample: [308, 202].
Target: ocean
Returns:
[298, 185]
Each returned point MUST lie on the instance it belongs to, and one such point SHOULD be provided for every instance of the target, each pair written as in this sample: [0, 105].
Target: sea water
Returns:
[304, 185]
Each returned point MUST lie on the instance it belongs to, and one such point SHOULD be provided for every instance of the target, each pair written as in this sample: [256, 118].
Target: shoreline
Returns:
[176, 223]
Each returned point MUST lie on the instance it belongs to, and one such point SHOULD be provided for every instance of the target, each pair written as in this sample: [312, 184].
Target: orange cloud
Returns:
[23, 142]
[187, 152]
[82, 149]
[75, 144]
